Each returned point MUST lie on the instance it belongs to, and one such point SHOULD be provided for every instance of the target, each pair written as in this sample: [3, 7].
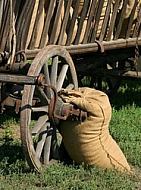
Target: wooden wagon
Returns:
[49, 45]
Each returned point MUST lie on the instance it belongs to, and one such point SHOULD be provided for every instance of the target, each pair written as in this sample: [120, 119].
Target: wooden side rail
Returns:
[93, 47]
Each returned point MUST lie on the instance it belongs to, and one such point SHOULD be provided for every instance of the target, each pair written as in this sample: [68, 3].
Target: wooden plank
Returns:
[139, 16]
[17, 7]
[32, 21]
[49, 14]
[38, 27]
[100, 6]
[1, 21]
[138, 24]
[105, 21]
[140, 32]
[81, 21]
[120, 21]
[90, 21]
[112, 21]
[26, 27]
[23, 24]
[72, 23]
[64, 23]
[56, 25]
[130, 23]
[1, 11]
[96, 8]
[5, 26]
[21, 18]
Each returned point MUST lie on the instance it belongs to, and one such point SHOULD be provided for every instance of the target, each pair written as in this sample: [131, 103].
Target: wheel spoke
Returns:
[54, 145]
[42, 139]
[39, 124]
[70, 86]
[40, 109]
[54, 69]
[42, 96]
[47, 147]
[61, 77]
[47, 81]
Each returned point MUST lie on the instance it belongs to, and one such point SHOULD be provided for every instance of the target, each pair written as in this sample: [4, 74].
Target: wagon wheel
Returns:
[39, 136]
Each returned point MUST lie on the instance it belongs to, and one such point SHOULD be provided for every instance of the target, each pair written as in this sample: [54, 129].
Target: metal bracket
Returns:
[66, 110]
[100, 45]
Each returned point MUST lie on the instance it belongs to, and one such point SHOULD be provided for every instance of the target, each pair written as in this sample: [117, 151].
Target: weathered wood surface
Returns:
[43, 22]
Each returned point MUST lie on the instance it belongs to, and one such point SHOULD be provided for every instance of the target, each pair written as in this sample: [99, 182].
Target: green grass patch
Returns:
[125, 128]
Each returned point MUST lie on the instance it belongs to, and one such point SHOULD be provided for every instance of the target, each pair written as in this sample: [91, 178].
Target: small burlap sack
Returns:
[89, 142]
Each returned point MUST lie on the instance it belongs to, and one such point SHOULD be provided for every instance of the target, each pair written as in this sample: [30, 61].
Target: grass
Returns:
[124, 127]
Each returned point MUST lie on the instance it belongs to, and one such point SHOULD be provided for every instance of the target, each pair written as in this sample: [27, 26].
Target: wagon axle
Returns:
[21, 79]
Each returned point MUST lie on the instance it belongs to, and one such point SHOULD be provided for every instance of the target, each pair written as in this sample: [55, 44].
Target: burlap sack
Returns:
[89, 142]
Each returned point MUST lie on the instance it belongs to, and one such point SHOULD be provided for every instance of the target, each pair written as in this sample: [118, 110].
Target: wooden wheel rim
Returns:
[34, 70]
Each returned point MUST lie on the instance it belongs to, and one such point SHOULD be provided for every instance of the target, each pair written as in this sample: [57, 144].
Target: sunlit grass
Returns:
[125, 128]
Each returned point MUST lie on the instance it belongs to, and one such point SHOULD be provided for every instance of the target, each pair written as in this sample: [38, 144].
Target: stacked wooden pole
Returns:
[43, 22]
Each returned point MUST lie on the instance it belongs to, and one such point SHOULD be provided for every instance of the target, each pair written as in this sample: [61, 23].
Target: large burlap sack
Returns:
[89, 142]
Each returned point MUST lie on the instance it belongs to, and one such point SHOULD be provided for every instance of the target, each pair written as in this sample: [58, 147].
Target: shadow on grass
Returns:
[129, 93]
[9, 114]
[12, 158]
